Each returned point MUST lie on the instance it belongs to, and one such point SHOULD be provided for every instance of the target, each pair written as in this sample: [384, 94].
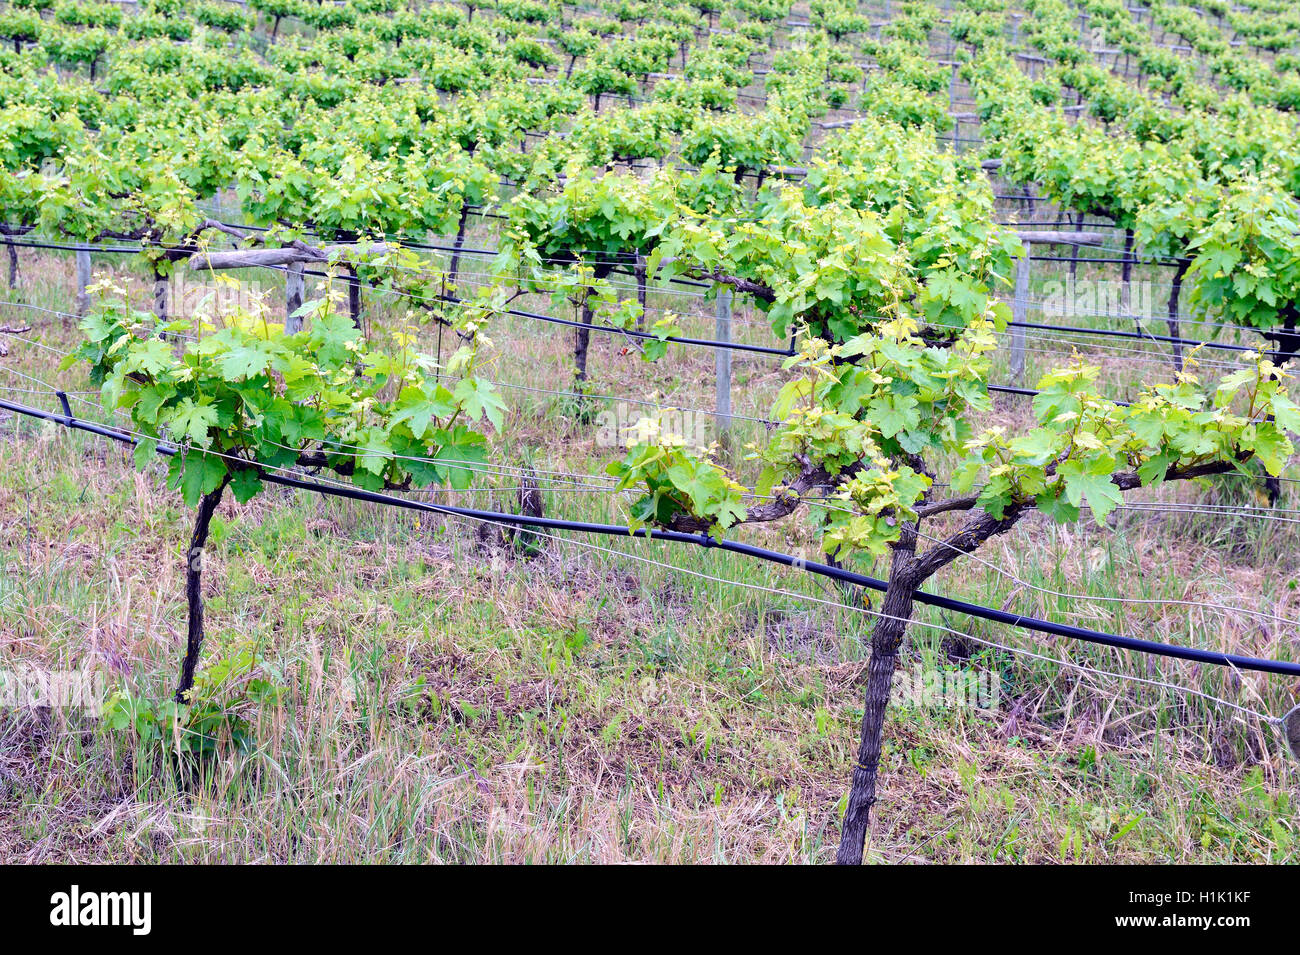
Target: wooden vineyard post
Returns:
[293, 294]
[957, 119]
[1019, 313]
[83, 281]
[722, 405]
[1020, 307]
[13, 257]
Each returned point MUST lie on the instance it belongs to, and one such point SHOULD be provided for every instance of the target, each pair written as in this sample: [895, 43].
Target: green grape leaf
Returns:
[479, 398]
[202, 474]
[245, 484]
[1269, 443]
[1090, 480]
[193, 421]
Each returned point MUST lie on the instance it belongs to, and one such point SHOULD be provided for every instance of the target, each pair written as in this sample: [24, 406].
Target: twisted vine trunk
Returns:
[1287, 338]
[453, 270]
[1288, 348]
[354, 297]
[1126, 275]
[641, 289]
[582, 334]
[886, 638]
[527, 542]
[1171, 319]
[582, 342]
[194, 588]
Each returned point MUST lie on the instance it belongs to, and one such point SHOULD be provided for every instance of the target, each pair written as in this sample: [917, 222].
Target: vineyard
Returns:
[516, 430]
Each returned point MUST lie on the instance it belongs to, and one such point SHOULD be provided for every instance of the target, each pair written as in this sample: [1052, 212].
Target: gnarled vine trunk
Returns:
[640, 272]
[582, 334]
[194, 589]
[453, 270]
[1288, 348]
[908, 570]
[13, 258]
[1286, 337]
[354, 297]
[582, 342]
[1126, 276]
[886, 638]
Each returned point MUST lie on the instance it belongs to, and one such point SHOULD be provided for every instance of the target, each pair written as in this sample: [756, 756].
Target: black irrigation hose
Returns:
[610, 329]
[1054, 227]
[1033, 624]
[1071, 329]
[536, 316]
[608, 258]
[1121, 333]
[1032, 393]
[631, 333]
[78, 248]
[675, 280]
[1084, 260]
[1011, 390]
[1104, 332]
[627, 258]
